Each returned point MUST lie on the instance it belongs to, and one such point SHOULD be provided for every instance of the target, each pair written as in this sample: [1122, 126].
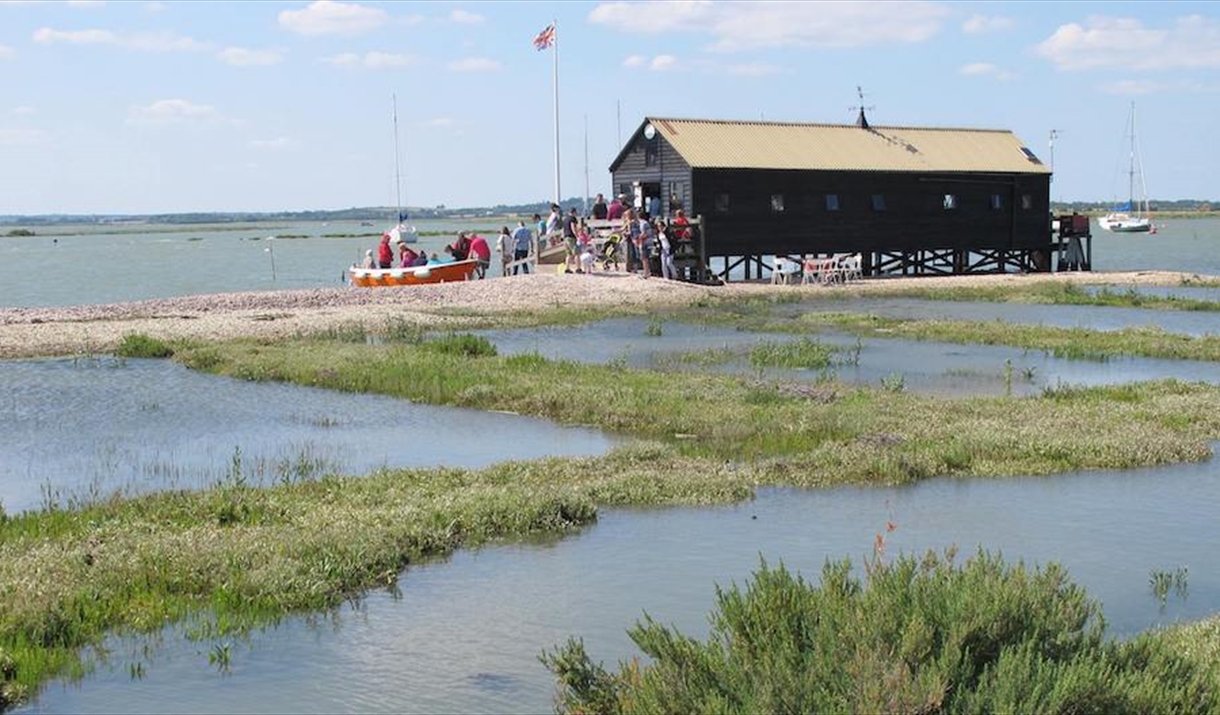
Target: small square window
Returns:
[1027, 202]
[950, 202]
[777, 203]
[722, 203]
[832, 202]
[997, 202]
[878, 202]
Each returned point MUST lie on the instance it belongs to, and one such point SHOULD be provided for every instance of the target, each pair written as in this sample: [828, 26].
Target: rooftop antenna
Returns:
[861, 121]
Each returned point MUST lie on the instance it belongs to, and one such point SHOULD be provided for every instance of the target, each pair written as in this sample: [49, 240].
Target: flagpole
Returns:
[586, 197]
[555, 25]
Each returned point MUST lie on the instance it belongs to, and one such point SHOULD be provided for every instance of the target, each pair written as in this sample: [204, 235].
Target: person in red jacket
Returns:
[480, 251]
[385, 254]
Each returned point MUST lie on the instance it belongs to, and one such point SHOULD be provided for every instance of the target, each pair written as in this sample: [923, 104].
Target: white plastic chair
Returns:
[850, 266]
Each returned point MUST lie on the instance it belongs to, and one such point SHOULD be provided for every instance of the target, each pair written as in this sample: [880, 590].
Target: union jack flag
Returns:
[546, 38]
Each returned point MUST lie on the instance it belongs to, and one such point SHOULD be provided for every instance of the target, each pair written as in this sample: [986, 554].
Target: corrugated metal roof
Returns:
[836, 147]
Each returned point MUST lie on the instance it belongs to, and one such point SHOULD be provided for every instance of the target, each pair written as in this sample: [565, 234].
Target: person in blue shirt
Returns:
[522, 239]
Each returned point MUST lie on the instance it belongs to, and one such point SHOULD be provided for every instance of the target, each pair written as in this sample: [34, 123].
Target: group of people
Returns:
[645, 238]
[468, 245]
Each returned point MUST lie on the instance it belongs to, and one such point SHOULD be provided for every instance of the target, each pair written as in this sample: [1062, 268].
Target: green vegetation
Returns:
[243, 556]
[1072, 343]
[138, 345]
[20, 233]
[1055, 293]
[803, 353]
[918, 636]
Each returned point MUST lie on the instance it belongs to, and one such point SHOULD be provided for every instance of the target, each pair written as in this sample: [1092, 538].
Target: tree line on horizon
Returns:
[381, 214]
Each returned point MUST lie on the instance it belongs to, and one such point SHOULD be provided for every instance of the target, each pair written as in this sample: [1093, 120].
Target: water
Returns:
[72, 265]
[927, 367]
[83, 265]
[87, 428]
[465, 634]
[1090, 317]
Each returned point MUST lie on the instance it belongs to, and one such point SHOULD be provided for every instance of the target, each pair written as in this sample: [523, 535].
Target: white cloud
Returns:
[754, 69]
[271, 144]
[735, 25]
[1191, 42]
[635, 61]
[984, 69]
[370, 60]
[7, 52]
[87, 3]
[660, 63]
[23, 137]
[243, 57]
[464, 17]
[977, 68]
[439, 123]
[173, 111]
[154, 7]
[326, 17]
[1136, 87]
[474, 64]
[24, 111]
[978, 24]
[145, 41]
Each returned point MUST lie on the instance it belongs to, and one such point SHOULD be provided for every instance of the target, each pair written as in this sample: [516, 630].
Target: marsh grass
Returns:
[917, 636]
[138, 345]
[1067, 343]
[1054, 293]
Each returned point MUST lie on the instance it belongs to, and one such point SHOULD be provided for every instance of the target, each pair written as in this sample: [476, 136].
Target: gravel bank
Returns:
[29, 332]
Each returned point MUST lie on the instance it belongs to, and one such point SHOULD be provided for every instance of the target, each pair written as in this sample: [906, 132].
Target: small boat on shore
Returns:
[420, 275]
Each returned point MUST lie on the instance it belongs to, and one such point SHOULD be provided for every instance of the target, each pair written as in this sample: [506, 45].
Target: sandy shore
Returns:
[29, 332]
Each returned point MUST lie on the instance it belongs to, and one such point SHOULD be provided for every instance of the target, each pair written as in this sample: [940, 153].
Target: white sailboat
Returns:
[401, 231]
[1132, 217]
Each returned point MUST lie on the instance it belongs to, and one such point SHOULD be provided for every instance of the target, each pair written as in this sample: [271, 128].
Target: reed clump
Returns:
[914, 636]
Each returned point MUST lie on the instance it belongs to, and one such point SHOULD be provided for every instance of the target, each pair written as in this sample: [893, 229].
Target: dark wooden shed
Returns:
[909, 200]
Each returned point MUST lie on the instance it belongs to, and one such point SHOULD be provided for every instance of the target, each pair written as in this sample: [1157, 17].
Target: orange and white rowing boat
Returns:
[420, 275]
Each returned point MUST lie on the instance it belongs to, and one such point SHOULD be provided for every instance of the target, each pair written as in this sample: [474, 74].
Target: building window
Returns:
[1027, 202]
[832, 202]
[777, 203]
[997, 202]
[878, 202]
[722, 203]
[650, 155]
[950, 202]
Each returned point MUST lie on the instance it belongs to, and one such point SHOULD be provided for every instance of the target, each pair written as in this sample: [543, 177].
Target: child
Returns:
[586, 261]
[582, 243]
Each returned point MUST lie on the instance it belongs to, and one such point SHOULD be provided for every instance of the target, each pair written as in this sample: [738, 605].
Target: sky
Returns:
[163, 107]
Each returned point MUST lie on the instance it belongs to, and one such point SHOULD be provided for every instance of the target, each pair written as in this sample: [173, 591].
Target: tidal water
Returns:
[919, 366]
[72, 265]
[88, 428]
[464, 634]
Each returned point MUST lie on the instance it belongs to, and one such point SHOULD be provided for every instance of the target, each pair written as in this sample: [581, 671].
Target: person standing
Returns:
[385, 254]
[615, 211]
[599, 208]
[481, 253]
[504, 247]
[554, 226]
[644, 243]
[631, 235]
[523, 239]
[669, 271]
[570, 224]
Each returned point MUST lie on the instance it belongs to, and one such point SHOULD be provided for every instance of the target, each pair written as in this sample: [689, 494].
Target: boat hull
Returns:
[1125, 224]
[423, 275]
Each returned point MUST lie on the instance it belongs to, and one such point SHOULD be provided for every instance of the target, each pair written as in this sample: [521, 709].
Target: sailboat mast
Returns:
[397, 171]
[1131, 165]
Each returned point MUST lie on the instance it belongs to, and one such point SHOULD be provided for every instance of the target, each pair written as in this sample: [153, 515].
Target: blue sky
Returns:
[148, 107]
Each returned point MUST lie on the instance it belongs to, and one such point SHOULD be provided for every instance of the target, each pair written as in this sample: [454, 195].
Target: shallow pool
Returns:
[464, 635]
[84, 428]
